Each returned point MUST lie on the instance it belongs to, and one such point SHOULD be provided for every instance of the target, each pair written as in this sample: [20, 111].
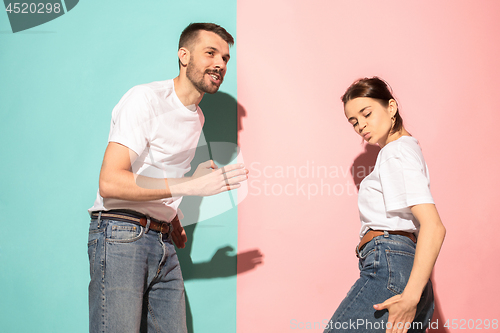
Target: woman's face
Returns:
[370, 119]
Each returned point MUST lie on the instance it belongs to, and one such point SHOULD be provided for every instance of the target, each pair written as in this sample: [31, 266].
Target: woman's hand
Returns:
[402, 308]
[401, 313]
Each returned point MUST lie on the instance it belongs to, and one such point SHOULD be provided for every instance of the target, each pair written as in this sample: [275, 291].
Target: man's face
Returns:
[207, 63]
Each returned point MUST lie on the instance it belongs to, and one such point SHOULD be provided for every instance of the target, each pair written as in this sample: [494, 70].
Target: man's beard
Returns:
[197, 78]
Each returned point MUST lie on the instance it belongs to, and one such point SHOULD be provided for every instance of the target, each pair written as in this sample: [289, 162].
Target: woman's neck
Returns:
[394, 136]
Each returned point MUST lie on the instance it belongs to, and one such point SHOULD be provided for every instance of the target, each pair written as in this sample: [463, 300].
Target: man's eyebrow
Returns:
[360, 111]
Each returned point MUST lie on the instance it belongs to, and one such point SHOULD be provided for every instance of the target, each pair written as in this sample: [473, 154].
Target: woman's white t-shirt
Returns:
[399, 180]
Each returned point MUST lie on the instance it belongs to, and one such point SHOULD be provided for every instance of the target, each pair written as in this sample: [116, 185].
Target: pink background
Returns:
[295, 59]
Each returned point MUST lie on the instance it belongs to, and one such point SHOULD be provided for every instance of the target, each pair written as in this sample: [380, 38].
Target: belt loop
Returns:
[147, 224]
[170, 229]
[99, 220]
[386, 234]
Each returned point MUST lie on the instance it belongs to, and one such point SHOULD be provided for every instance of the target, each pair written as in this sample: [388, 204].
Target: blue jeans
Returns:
[385, 265]
[136, 282]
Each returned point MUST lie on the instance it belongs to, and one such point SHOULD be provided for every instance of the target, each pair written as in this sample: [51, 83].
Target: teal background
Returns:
[58, 84]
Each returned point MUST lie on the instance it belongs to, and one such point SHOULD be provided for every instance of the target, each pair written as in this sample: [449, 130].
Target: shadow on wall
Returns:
[362, 166]
[221, 120]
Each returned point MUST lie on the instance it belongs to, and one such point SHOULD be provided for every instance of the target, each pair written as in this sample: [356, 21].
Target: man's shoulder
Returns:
[153, 89]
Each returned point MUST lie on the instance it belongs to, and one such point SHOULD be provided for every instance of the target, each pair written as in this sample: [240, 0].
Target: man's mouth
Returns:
[216, 78]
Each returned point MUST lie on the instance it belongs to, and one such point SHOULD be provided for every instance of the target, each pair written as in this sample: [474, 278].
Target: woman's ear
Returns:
[393, 107]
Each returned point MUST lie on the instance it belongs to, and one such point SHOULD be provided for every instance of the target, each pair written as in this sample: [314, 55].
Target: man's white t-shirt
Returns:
[399, 180]
[151, 121]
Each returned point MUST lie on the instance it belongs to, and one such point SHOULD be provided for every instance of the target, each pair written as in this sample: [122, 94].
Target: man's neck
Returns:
[186, 92]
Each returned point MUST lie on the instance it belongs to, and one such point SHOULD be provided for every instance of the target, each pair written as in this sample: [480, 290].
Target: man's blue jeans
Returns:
[136, 282]
[385, 265]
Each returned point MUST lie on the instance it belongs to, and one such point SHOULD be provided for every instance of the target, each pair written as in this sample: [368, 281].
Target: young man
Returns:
[136, 282]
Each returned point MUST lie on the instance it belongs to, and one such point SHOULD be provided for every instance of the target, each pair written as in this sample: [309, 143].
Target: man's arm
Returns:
[118, 181]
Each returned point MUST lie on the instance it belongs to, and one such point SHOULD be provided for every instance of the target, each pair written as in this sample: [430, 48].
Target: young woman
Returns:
[401, 232]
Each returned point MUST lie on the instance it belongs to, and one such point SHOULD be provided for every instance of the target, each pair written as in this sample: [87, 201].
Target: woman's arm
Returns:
[402, 308]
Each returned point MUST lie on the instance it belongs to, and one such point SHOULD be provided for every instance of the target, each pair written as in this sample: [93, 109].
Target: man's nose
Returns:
[220, 64]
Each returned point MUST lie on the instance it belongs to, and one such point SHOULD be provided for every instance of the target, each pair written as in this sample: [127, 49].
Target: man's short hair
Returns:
[189, 35]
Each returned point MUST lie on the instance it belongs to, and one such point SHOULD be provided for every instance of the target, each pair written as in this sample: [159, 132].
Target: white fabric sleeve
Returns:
[131, 123]
[404, 182]
[179, 214]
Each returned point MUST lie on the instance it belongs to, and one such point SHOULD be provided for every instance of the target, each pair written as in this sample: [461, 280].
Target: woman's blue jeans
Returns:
[385, 265]
[136, 282]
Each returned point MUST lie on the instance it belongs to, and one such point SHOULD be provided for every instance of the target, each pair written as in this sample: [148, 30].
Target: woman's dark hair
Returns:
[376, 88]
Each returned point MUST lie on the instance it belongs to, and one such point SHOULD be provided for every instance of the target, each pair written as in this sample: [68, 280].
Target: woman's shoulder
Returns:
[405, 148]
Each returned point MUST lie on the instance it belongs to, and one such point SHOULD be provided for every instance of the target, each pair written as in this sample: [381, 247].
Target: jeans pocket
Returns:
[399, 264]
[366, 252]
[369, 261]
[122, 232]
[92, 248]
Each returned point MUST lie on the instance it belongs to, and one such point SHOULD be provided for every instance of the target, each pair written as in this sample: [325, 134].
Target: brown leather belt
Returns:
[136, 218]
[371, 234]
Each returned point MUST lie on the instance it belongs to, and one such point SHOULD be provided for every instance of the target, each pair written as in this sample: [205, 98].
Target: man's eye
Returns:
[210, 52]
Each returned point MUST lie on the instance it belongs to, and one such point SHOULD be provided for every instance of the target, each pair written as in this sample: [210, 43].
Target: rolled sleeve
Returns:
[131, 121]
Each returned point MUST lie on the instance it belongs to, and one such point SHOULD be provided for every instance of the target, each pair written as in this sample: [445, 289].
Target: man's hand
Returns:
[401, 313]
[119, 182]
[208, 180]
[178, 233]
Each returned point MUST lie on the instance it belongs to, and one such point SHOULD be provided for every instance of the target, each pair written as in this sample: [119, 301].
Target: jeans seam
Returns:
[105, 224]
[353, 301]
[376, 262]
[103, 288]
[92, 245]
[163, 259]
[153, 318]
